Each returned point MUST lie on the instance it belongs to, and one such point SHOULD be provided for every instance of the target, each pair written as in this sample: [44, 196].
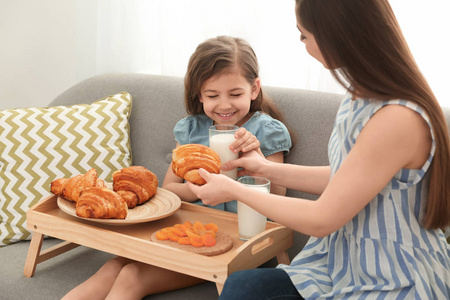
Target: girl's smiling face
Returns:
[227, 98]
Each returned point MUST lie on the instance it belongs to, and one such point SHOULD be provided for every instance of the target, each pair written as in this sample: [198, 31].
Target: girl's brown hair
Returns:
[221, 55]
[363, 39]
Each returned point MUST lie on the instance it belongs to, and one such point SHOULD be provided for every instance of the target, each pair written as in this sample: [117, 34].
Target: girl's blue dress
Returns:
[271, 133]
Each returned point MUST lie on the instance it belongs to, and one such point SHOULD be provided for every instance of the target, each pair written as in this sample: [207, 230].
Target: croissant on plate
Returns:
[187, 159]
[101, 203]
[135, 184]
[70, 188]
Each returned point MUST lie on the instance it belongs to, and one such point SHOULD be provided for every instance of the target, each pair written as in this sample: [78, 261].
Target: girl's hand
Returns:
[216, 190]
[252, 163]
[245, 142]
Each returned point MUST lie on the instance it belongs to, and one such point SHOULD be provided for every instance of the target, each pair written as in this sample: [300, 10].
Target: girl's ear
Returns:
[256, 87]
[200, 98]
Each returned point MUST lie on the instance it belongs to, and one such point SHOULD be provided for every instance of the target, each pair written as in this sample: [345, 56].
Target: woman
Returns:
[376, 226]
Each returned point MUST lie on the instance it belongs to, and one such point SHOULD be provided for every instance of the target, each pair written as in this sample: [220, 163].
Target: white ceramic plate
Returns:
[163, 204]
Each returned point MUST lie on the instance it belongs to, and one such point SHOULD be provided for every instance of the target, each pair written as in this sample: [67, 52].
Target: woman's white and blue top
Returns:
[383, 252]
[271, 133]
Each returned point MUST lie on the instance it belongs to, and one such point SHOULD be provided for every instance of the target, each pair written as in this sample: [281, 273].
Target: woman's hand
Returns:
[252, 163]
[245, 142]
[216, 190]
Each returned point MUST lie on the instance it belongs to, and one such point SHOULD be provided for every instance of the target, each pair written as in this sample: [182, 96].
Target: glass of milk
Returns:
[220, 139]
[251, 222]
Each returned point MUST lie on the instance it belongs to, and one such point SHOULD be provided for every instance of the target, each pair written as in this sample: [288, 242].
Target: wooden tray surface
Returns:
[134, 240]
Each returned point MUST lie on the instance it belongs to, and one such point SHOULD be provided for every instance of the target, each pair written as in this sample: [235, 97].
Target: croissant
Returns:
[187, 159]
[135, 184]
[101, 203]
[70, 188]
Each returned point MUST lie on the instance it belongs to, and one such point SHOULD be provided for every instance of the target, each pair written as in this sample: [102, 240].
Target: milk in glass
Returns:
[221, 144]
[220, 139]
[251, 222]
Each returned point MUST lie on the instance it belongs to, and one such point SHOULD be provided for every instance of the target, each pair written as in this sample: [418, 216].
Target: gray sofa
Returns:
[157, 106]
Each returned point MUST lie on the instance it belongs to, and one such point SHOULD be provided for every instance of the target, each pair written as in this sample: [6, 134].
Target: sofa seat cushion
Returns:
[38, 145]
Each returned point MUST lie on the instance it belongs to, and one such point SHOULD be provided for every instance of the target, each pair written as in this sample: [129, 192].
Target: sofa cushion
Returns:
[38, 145]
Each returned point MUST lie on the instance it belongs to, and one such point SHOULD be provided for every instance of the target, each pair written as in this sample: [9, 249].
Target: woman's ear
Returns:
[256, 87]
[200, 98]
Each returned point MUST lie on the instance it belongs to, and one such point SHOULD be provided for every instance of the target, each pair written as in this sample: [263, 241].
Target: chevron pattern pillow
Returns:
[38, 145]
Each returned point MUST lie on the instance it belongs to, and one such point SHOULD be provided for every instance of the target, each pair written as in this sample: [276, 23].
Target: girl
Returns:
[376, 225]
[222, 86]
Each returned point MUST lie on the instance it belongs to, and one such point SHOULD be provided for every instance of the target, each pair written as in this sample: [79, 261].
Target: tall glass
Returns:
[220, 139]
[251, 222]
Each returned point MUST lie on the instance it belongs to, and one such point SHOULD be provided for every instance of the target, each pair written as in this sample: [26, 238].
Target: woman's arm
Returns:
[311, 180]
[307, 179]
[302, 178]
[274, 188]
[394, 138]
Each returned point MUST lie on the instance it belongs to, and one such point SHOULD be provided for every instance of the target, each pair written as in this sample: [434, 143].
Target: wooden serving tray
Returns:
[133, 241]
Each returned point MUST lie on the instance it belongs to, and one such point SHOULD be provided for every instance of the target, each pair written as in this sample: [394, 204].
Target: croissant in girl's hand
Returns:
[187, 159]
[101, 203]
[135, 184]
[70, 188]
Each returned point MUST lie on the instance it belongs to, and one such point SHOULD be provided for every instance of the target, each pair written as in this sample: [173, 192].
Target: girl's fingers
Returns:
[251, 144]
[240, 132]
[246, 143]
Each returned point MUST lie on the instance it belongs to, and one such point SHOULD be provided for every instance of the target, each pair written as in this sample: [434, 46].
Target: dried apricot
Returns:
[188, 224]
[212, 226]
[211, 232]
[179, 226]
[196, 241]
[190, 233]
[166, 229]
[178, 231]
[184, 227]
[198, 228]
[208, 240]
[184, 240]
[162, 235]
[173, 237]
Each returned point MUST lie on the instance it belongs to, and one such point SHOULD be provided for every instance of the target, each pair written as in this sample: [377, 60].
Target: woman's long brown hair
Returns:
[364, 41]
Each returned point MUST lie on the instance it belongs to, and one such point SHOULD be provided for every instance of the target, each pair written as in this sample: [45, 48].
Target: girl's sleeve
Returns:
[274, 137]
[182, 130]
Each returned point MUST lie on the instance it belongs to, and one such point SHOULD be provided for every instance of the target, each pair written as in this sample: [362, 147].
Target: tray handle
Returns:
[277, 240]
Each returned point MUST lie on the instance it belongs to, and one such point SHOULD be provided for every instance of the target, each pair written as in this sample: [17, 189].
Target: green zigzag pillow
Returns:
[38, 145]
